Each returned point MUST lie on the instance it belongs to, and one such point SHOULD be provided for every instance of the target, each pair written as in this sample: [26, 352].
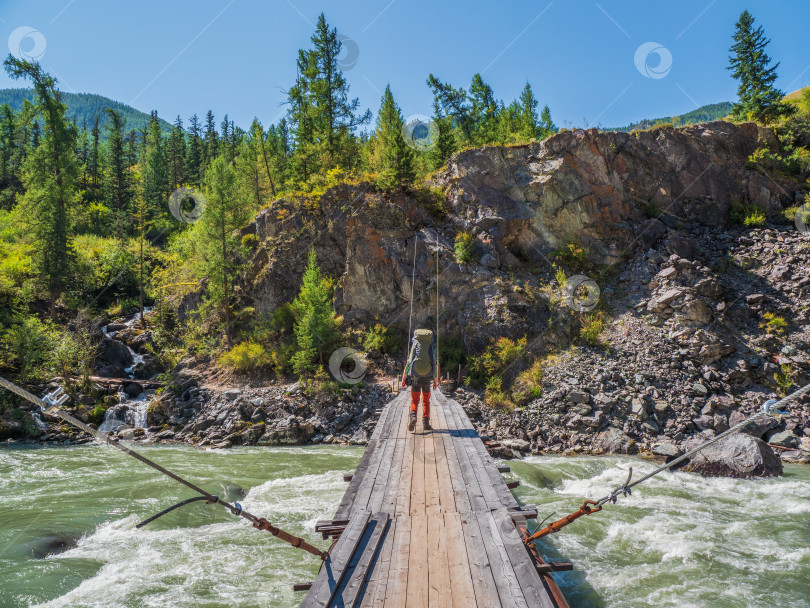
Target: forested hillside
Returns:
[110, 235]
[707, 113]
[85, 108]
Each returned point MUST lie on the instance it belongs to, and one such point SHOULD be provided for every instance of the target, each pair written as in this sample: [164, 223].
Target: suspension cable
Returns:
[438, 365]
[769, 408]
[50, 406]
[413, 283]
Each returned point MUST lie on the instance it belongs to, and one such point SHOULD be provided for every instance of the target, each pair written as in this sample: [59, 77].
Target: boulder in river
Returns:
[614, 441]
[739, 455]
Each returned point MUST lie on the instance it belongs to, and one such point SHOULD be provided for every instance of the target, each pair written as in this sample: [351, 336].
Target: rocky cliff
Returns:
[594, 189]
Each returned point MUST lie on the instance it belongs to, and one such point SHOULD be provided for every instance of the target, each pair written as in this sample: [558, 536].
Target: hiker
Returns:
[421, 370]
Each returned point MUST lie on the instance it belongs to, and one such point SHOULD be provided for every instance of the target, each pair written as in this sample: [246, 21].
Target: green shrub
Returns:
[382, 339]
[784, 378]
[281, 357]
[27, 347]
[320, 384]
[496, 397]
[559, 275]
[591, 329]
[527, 384]
[773, 324]
[245, 357]
[746, 214]
[571, 256]
[452, 353]
[464, 244]
[494, 360]
[755, 217]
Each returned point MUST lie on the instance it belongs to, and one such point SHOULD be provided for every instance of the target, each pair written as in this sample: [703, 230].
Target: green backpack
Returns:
[422, 365]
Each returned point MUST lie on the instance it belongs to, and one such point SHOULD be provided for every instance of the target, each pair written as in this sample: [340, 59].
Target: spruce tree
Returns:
[153, 165]
[49, 176]
[454, 103]
[547, 126]
[194, 152]
[393, 158]
[323, 116]
[316, 324]
[527, 127]
[484, 112]
[117, 190]
[8, 153]
[250, 162]
[751, 65]
[95, 158]
[445, 139]
[224, 214]
[177, 154]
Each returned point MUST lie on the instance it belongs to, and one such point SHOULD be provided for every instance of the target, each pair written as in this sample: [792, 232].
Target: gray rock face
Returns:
[114, 352]
[735, 456]
[614, 441]
[784, 439]
[520, 445]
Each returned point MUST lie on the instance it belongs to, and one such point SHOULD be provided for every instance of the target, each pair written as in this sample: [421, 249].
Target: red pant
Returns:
[425, 403]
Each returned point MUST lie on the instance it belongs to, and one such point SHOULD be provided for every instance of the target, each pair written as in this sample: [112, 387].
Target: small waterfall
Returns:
[137, 410]
[128, 412]
[136, 358]
[39, 422]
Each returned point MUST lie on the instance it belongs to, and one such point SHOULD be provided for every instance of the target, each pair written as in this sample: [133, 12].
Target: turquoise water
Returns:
[679, 540]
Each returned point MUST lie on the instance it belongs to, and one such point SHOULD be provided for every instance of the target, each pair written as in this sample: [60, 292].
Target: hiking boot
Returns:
[426, 424]
[412, 422]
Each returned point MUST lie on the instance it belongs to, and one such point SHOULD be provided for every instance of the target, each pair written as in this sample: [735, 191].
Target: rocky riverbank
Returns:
[704, 319]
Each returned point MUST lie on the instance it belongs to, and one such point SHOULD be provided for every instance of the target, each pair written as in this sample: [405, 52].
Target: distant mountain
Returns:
[707, 113]
[85, 107]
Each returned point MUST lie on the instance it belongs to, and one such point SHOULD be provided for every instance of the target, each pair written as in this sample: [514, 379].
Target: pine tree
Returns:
[141, 218]
[484, 111]
[305, 157]
[393, 158]
[194, 152]
[323, 116]
[49, 176]
[454, 103]
[95, 159]
[117, 190]
[527, 127]
[83, 155]
[316, 324]
[177, 154]
[250, 162]
[445, 139]
[224, 214]
[547, 126]
[153, 165]
[211, 149]
[750, 64]
[8, 153]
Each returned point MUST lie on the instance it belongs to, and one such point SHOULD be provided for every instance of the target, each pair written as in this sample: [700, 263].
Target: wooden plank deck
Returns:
[430, 523]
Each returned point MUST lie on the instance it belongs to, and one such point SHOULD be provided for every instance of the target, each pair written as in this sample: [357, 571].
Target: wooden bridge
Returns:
[428, 521]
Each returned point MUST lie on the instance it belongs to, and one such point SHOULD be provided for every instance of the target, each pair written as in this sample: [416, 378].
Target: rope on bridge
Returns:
[51, 405]
[769, 408]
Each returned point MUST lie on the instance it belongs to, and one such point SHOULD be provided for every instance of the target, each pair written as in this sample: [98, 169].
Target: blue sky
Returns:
[237, 56]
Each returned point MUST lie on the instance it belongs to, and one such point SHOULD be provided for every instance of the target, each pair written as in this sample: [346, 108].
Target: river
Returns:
[679, 540]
